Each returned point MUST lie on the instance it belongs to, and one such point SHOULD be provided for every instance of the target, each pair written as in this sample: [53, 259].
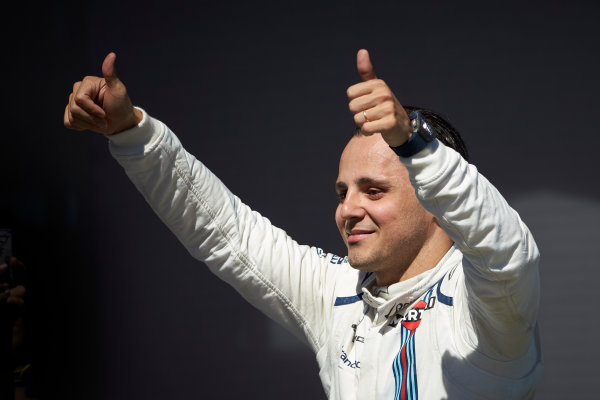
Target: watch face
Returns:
[419, 125]
[427, 132]
[414, 125]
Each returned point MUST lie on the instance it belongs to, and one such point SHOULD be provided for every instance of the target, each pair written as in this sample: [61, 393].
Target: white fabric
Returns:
[481, 345]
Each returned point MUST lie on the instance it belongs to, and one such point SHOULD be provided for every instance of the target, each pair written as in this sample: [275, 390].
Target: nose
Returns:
[351, 207]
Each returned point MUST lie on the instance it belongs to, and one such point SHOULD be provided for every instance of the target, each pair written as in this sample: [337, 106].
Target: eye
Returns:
[374, 193]
[341, 196]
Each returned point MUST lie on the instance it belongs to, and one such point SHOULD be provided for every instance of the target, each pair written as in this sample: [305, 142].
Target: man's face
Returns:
[379, 217]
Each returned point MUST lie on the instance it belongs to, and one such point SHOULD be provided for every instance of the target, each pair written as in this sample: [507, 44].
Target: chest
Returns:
[373, 356]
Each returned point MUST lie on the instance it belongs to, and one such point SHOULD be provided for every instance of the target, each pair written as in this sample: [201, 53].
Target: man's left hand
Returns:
[375, 108]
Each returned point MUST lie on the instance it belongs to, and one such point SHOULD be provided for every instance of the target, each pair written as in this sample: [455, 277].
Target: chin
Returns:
[361, 264]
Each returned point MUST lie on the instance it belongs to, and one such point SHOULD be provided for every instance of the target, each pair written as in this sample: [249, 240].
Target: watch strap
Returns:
[412, 146]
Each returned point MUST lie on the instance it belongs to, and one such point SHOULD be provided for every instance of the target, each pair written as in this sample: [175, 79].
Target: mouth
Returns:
[356, 235]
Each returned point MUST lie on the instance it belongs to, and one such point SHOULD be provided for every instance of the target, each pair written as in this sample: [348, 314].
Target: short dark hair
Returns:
[446, 133]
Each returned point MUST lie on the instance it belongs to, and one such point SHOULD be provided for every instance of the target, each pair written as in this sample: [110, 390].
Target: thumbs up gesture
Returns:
[101, 104]
[375, 108]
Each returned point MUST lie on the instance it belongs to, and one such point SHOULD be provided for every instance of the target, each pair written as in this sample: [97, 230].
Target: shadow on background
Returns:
[565, 228]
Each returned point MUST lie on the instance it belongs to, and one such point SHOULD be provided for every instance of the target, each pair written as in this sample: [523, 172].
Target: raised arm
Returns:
[285, 280]
[101, 104]
[500, 282]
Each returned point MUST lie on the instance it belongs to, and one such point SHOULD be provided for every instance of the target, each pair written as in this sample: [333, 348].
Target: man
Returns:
[438, 296]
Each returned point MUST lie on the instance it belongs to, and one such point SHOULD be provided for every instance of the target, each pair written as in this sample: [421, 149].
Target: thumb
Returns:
[364, 66]
[108, 70]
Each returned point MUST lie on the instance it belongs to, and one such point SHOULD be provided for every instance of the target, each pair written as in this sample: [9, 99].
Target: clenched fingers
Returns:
[367, 95]
[364, 88]
[374, 113]
[77, 119]
[372, 100]
[86, 94]
[82, 112]
[77, 116]
[382, 125]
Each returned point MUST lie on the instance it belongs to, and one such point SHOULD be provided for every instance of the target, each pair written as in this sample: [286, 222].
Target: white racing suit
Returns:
[466, 329]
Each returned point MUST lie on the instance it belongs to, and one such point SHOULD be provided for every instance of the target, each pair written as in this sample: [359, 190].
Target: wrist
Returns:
[133, 120]
[422, 134]
[398, 140]
[401, 133]
[134, 140]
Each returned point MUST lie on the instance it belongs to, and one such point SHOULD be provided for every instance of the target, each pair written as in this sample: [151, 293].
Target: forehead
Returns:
[369, 157]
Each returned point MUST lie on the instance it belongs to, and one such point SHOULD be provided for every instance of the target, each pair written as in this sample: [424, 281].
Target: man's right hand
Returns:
[101, 104]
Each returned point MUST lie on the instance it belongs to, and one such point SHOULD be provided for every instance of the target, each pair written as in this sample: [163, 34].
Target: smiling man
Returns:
[386, 229]
[439, 294]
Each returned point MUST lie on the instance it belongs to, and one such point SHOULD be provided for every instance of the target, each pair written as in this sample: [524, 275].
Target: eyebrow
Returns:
[372, 181]
[362, 182]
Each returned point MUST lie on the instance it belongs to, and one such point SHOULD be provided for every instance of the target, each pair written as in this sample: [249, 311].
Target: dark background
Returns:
[118, 309]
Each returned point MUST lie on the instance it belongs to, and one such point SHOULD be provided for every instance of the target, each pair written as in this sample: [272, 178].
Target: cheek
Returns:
[383, 214]
[338, 219]
[398, 215]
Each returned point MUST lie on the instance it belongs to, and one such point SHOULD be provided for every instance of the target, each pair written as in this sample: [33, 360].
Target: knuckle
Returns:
[74, 111]
[385, 96]
[79, 99]
[353, 106]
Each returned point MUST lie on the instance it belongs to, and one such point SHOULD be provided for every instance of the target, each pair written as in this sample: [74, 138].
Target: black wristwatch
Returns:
[422, 134]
